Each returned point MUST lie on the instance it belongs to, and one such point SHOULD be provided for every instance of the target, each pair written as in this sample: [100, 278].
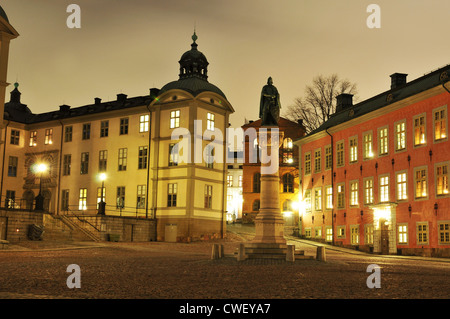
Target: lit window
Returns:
[384, 189]
[173, 154]
[353, 150]
[287, 143]
[123, 159]
[210, 122]
[340, 154]
[419, 130]
[318, 198]
[84, 168]
[230, 180]
[368, 191]
[400, 136]
[383, 141]
[421, 183]
[33, 138]
[308, 200]
[102, 160]
[48, 136]
[440, 127]
[240, 181]
[141, 195]
[329, 234]
[368, 234]
[307, 163]
[175, 119]
[401, 186]
[354, 193]
[354, 235]
[442, 179]
[341, 232]
[144, 122]
[368, 147]
[329, 197]
[402, 234]
[340, 196]
[120, 198]
[99, 195]
[82, 201]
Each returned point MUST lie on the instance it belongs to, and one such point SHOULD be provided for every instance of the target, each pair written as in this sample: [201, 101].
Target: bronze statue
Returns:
[269, 108]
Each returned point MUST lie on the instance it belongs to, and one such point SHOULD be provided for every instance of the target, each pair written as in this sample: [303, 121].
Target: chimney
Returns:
[98, 101]
[154, 92]
[64, 108]
[344, 101]
[121, 97]
[397, 80]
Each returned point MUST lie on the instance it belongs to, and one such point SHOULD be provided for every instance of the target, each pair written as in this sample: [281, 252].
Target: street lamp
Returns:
[41, 169]
[102, 204]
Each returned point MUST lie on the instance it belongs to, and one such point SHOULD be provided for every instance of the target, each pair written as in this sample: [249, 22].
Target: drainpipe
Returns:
[148, 159]
[332, 186]
[58, 195]
[3, 162]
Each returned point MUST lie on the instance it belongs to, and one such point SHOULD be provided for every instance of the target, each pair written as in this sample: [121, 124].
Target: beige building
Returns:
[129, 143]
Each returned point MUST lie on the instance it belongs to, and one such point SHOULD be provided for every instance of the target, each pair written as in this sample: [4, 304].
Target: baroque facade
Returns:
[375, 175]
[131, 144]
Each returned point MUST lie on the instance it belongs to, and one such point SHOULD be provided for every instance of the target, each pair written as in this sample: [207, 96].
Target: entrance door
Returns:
[128, 232]
[384, 227]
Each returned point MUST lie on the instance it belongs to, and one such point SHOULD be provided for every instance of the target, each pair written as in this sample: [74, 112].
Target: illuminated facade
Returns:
[288, 172]
[130, 143]
[375, 175]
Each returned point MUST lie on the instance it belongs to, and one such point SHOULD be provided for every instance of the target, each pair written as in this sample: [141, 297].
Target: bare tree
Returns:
[319, 101]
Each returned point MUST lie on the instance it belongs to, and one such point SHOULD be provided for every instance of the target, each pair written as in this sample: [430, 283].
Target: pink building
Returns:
[375, 175]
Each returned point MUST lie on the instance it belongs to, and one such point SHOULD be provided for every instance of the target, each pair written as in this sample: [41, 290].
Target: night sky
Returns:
[129, 46]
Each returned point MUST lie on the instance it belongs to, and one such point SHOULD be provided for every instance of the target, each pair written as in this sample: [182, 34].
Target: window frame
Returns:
[445, 121]
[403, 135]
[415, 117]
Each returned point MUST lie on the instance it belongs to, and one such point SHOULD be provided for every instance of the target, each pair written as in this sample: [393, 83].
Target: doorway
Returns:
[384, 238]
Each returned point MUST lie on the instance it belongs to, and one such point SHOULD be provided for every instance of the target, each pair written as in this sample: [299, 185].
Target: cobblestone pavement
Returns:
[156, 270]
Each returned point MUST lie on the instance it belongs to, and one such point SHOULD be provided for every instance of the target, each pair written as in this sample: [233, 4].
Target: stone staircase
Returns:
[62, 228]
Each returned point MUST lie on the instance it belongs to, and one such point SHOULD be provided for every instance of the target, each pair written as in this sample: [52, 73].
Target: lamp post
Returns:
[102, 204]
[39, 204]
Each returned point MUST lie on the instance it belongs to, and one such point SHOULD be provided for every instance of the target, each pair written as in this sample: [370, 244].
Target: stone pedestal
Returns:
[269, 241]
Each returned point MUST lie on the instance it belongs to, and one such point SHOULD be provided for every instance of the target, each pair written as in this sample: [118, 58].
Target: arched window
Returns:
[288, 183]
[256, 183]
[255, 206]
[287, 143]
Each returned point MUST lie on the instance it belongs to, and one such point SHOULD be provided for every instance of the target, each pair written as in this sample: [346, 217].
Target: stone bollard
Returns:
[290, 253]
[215, 251]
[241, 253]
[321, 254]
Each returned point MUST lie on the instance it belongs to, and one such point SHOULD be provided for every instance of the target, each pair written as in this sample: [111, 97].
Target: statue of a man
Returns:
[269, 108]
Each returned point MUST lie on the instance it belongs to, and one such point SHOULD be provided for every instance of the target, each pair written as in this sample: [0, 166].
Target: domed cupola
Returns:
[193, 63]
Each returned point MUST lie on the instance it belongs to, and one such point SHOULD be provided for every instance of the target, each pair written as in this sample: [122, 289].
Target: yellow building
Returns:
[129, 143]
